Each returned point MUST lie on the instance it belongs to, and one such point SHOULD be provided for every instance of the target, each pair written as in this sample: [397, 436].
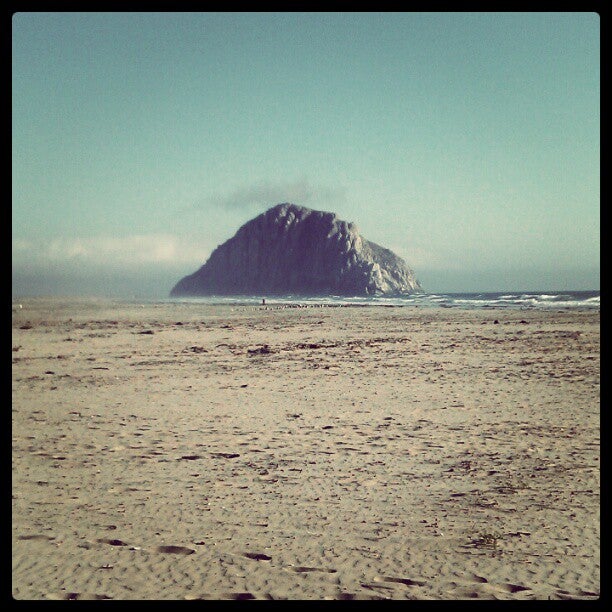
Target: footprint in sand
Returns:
[406, 581]
[257, 556]
[35, 537]
[111, 542]
[374, 587]
[513, 588]
[486, 590]
[235, 596]
[75, 595]
[175, 550]
[302, 568]
[239, 596]
[225, 455]
[345, 596]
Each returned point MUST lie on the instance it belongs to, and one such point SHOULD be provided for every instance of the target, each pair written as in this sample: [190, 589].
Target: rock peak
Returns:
[299, 212]
[285, 207]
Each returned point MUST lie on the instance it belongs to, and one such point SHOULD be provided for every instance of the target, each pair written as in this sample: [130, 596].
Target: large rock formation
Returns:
[290, 249]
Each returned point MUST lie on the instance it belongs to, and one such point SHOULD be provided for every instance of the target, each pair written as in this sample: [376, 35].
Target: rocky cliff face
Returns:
[291, 249]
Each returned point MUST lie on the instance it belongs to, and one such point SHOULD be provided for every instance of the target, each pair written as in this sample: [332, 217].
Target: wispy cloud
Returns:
[127, 251]
[265, 194]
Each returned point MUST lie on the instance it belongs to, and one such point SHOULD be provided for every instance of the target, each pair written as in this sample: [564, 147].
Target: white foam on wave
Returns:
[527, 300]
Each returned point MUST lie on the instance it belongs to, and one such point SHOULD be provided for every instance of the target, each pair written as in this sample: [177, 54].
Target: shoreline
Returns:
[34, 304]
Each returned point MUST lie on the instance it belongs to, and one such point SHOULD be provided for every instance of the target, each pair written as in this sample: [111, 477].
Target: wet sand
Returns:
[187, 451]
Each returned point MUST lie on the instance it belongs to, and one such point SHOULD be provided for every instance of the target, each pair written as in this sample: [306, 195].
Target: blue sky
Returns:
[468, 143]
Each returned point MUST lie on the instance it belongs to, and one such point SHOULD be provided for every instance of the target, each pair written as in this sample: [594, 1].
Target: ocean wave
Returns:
[504, 300]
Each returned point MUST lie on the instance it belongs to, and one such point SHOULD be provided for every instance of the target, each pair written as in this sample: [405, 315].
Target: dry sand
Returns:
[189, 451]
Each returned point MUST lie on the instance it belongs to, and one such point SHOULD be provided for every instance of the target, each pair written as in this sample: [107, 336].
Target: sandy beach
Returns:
[189, 451]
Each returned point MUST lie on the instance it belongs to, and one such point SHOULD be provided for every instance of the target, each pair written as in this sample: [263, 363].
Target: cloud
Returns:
[266, 194]
[108, 251]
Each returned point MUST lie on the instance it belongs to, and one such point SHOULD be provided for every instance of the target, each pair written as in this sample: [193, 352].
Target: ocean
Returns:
[522, 300]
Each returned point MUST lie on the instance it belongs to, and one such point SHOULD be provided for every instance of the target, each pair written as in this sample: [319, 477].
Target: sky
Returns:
[467, 143]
